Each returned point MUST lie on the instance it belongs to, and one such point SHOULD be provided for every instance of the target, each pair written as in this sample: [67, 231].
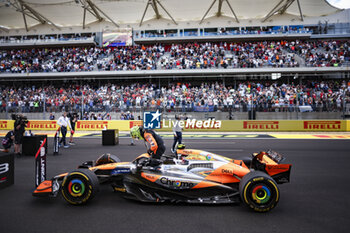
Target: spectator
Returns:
[52, 117]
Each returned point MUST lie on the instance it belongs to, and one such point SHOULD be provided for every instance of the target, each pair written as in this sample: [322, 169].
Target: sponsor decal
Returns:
[120, 171]
[176, 183]
[123, 190]
[43, 163]
[150, 177]
[92, 125]
[151, 120]
[195, 157]
[40, 163]
[186, 152]
[208, 156]
[261, 125]
[4, 167]
[3, 179]
[226, 171]
[3, 124]
[193, 124]
[327, 125]
[42, 125]
[135, 123]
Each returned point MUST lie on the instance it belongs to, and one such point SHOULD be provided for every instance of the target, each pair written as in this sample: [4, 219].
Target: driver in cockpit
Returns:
[154, 143]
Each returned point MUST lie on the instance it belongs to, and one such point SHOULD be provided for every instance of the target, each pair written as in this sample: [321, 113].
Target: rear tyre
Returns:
[80, 186]
[259, 191]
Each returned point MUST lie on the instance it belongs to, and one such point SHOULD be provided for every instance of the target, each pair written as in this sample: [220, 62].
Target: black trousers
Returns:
[177, 138]
[64, 133]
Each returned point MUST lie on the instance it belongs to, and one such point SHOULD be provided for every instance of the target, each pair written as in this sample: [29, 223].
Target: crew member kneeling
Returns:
[154, 143]
[7, 141]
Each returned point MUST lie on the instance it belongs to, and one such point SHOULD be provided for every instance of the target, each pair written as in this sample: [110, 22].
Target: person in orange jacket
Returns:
[154, 143]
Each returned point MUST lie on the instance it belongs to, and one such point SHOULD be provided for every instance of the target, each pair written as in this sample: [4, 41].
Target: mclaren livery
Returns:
[191, 176]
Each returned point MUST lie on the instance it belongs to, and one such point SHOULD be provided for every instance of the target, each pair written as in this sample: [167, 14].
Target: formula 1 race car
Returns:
[190, 176]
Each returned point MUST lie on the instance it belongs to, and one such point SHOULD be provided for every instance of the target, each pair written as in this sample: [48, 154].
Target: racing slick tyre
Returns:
[79, 186]
[259, 191]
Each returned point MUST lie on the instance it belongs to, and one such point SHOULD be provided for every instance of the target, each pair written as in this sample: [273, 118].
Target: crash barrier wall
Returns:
[193, 125]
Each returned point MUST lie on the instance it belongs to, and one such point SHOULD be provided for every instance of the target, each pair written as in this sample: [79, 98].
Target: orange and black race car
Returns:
[191, 176]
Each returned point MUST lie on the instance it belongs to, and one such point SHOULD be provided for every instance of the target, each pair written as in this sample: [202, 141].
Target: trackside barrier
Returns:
[207, 125]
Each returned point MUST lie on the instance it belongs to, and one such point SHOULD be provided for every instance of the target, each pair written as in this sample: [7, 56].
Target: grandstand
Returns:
[277, 57]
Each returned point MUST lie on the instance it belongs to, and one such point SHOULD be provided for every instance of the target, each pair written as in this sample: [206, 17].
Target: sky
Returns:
[342, 4]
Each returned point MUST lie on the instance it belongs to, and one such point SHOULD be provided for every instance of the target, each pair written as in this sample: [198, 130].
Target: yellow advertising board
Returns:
[193, 125]
[269, 126]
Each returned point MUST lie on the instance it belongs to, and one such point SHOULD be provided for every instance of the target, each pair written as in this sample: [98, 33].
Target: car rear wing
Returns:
[270, 162]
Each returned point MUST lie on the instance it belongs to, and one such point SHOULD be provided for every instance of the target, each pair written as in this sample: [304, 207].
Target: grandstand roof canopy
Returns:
[66, 13]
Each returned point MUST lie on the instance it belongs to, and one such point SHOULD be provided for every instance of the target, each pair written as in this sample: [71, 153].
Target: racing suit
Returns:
[155, 145]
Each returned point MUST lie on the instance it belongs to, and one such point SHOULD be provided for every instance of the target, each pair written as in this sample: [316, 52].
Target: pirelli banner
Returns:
[265, 126]
[199, 125]
[48, 125]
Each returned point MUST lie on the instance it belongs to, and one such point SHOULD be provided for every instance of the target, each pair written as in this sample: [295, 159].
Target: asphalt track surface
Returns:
[316, 200]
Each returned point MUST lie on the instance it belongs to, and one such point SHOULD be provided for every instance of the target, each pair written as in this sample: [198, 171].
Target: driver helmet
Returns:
[135, 133]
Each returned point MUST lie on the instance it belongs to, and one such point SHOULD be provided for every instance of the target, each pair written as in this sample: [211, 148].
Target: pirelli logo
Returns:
[42, 125]
[3, 124]
[322, 125]
[92, 124]
[261, 125]
[135, 123]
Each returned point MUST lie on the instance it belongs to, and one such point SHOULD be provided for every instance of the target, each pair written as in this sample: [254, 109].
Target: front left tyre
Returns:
[79, 186]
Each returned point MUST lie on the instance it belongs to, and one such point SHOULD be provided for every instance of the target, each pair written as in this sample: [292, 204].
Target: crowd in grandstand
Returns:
[228, 55]
[321, 53]
[227, 31]
[265, 96]
[177, 56]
